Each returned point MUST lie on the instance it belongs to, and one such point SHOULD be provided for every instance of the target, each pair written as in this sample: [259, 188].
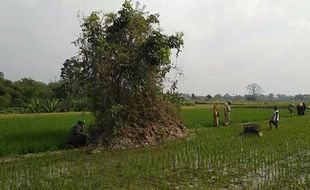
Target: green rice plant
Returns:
[32, 133]
[209, 158]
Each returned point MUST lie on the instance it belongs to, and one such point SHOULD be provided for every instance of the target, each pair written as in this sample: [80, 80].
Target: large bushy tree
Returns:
[122, 61]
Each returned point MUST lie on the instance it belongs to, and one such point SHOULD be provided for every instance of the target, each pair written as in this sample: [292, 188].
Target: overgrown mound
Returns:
[163, 125]
[121, 67]
[150, 134]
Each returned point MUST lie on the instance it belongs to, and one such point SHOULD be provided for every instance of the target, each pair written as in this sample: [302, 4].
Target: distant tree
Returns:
[186, 96]
[254, 89]
[299, 97]
[21, 92]
[30, 88]
[271, 96]
[1, 75]
[237, 97]
[5, 98]
[74, 87]
[217, 97]
[9, 94]
[193, 96]
[57, 90]
[250, 97]
[227, 97]
[208, 97]
[122, 62]
[307, 97]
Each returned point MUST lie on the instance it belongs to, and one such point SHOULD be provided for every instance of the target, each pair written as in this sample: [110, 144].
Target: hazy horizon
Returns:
[228, 44]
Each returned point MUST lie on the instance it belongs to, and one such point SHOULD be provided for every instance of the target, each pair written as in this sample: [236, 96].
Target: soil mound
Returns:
[137, 136]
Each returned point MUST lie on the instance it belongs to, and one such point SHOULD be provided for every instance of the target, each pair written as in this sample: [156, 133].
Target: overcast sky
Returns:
[228, 43]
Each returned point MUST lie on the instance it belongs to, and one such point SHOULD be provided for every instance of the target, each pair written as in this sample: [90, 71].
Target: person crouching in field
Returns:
[275, 118]
[77, 137]
[291, 108]
[227, 110]
[216, 114]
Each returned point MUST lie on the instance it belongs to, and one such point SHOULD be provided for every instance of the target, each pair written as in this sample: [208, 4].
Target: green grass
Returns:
[32, 133]
[210, 158]
[203, 117]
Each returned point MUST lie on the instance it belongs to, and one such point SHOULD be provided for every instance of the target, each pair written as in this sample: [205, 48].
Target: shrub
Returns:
[50, 105]
[35, 105]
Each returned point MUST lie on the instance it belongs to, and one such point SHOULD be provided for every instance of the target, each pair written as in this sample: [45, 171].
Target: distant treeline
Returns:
[28, 95]
[31, 96]
[219, 97]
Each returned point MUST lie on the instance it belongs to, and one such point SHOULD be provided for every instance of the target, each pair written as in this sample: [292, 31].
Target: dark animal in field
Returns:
[251, 128]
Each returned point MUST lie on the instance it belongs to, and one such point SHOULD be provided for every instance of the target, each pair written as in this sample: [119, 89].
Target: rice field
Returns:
[33, 133]
[209, 158]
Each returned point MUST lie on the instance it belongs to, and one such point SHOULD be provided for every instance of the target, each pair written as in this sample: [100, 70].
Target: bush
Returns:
[68, 104]
[35, 105]
[4, 101]
[50, 105]
[10, 110]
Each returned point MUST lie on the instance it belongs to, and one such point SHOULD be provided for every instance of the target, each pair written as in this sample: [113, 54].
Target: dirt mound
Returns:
[150, 134]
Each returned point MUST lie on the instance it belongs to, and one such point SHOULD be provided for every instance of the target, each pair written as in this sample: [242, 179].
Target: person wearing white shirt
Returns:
[275, 118]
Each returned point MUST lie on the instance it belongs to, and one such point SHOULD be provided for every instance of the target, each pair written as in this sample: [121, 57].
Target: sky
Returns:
[228, 43]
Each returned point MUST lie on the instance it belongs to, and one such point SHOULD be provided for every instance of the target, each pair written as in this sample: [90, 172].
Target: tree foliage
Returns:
[9, 93]
[31, 88]
[28, 95]
[122, 61]
[1, 75]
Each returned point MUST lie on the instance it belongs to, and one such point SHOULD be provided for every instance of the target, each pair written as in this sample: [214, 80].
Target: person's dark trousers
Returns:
[275, 123]
[303, 111]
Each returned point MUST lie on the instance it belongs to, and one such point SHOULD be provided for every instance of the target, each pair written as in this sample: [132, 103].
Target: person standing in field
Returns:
[275, 118]
[300, 108]
[304, 107]
[216, 114]
[227, 110]
[291, 108]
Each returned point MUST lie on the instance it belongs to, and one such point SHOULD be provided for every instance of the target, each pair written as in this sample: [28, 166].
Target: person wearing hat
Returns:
[77, 137]
[275, 118]
[216, 114]
[227, 110]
